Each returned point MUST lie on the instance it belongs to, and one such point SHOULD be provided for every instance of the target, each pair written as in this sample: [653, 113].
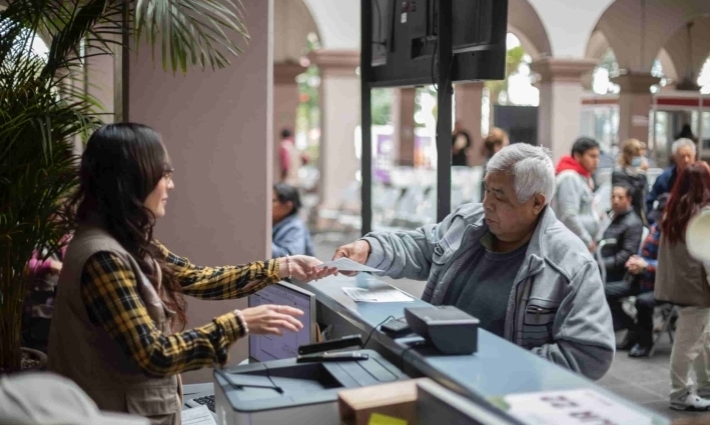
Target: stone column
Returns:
[286, 101]
[217, 127]
[468, 99]
[559, 113]
[339, 116]
[403, 105]
[634, 105]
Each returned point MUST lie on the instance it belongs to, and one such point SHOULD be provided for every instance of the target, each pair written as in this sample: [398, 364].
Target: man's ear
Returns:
[539, 202]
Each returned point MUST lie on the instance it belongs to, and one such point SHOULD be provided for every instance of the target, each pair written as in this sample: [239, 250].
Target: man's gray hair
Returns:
[532, 169]
[683, 143]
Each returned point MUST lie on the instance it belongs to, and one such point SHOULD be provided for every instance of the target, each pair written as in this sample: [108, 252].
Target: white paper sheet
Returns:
[348, 265]
[198, 416]
[378, 295]
[573, 407]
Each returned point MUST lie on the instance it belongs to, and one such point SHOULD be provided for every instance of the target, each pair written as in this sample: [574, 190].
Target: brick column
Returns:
[559, 114]
[634, 105]
[286, 101]
[403, 105]
[339, 116]
[469, 98]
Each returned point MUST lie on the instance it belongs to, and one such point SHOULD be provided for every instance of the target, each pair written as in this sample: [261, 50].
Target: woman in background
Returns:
[682, 280]
[289, 235]
[496, 140]
[632, 173]
[121, 297]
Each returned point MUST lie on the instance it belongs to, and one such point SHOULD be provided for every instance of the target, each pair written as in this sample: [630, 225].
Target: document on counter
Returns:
[198, 416]
[572, 407]
[376, 295]
[348, 265]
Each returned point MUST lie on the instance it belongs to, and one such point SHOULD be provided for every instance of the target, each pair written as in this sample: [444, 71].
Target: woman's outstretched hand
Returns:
[303, 268]
[272, 319]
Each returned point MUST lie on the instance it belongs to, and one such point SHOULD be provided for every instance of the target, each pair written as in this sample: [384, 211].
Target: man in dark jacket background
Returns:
[627, 228]
[684, 152]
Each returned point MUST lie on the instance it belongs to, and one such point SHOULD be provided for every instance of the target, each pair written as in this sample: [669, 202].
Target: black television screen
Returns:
[405, 40]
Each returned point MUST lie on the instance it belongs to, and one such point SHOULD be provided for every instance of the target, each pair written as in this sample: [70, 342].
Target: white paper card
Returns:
[574, 407]
[376, 295]
[348, 265]
[198, 416]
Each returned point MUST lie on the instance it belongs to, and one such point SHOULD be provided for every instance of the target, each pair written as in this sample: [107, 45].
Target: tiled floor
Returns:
[644, 381]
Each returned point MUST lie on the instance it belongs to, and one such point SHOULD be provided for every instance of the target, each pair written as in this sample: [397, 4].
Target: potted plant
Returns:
[42, 114]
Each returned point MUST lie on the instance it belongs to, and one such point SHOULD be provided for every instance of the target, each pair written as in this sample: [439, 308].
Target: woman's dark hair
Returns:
[583, 144]
[691, 192]
[121, 165]
[287, 193]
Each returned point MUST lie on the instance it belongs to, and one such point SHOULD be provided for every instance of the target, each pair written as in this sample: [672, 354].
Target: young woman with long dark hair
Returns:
[121, 296]
[682, 280]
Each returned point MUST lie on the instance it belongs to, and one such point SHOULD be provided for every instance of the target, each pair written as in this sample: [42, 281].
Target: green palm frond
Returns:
[43, 113]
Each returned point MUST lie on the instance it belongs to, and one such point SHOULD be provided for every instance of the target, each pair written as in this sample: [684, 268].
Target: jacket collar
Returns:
[536, 251]
[285, 222]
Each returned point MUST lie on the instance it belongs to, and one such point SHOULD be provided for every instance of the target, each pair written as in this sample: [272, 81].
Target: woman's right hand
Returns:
[272, 319]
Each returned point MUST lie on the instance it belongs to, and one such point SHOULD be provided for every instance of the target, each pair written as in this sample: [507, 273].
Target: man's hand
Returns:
[592, 246]
[636, 265]
[358, 251]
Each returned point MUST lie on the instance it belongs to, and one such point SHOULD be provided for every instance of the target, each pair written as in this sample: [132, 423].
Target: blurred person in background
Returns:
[289, 158]
[684, 154]
[574, 198]
[631, 172]
[683, 280]
[461, 144]
[496, 140]
[289, 235]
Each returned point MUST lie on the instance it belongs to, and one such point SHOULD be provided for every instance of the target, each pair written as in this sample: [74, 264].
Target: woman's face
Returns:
[157, 199]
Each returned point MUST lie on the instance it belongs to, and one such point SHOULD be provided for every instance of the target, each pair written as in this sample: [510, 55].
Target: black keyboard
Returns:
[206, 401]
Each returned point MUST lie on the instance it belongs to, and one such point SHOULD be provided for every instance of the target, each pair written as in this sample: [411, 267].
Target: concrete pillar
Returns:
[559, 113]
[634, 105]
[339, 116]
[468, 100]
[286, 101]
[403, 105]
[100, 82]
[217, 127]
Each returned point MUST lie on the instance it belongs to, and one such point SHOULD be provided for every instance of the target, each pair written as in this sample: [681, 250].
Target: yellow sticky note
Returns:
[379, 419]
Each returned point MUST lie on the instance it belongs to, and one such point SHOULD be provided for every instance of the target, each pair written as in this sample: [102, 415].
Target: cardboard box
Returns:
[398, 399]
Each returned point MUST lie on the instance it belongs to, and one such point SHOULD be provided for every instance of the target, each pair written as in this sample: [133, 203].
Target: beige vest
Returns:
[680, 279]
[86, 353]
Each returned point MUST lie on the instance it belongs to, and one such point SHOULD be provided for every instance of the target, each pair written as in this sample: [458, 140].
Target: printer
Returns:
[285, 391]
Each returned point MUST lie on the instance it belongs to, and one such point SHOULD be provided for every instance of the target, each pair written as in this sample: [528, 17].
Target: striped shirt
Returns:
[109, 291]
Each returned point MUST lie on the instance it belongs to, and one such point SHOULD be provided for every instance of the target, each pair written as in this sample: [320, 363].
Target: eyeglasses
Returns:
[168, 174]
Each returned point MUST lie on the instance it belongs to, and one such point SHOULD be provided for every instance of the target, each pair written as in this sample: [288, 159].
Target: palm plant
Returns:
[42, 114]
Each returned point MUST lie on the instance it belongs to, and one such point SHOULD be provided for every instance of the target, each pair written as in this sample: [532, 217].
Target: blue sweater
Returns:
[663, 184]
[291, 237]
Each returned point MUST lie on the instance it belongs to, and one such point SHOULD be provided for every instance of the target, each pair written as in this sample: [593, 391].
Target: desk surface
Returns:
[498, 368]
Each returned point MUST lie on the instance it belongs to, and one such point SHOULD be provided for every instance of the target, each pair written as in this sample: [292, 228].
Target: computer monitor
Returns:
[273, 347]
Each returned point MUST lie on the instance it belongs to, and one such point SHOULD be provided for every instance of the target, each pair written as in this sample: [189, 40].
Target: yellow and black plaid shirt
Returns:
[110, 294]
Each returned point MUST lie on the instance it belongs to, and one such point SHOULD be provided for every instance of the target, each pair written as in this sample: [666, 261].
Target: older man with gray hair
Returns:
[684, 152]
[510, 263]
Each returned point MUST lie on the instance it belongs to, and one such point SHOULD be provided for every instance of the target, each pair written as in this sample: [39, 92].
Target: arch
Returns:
[525, 23]
[669, 68]
[293, 22]
[638, 30]
[597, 46]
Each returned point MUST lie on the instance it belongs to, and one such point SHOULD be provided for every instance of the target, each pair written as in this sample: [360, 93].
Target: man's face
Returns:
[620, 200]
[589, 160]
[684, 157]
[507, 218]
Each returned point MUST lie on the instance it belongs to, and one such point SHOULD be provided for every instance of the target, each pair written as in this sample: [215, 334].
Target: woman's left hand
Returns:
[303, 268]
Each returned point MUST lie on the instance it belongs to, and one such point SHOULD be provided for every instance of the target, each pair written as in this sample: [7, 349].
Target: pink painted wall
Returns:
[217, 127]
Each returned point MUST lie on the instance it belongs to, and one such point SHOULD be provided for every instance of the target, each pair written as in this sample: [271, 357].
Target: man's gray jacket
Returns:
[557, 308]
